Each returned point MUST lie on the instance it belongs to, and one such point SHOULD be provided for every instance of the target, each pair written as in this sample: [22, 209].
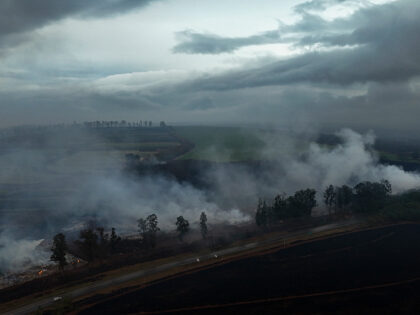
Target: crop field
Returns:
[221, 144]
[62, 150]
[318, 276]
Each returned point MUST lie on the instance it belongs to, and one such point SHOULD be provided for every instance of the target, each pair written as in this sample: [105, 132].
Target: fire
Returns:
[40, 272]
[78, 260]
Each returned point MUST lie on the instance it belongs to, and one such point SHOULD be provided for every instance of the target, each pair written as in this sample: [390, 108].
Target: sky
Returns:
[324, 63]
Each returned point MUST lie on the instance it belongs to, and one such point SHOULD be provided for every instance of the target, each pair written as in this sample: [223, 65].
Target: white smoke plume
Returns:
[299, 164]
[75, 189]
[18, 255]
[349, 163]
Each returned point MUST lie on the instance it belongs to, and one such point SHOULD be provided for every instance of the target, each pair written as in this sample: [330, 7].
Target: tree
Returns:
[329, 197]
[386, 186]
[113, 241]
[262, 214]
[152, 229]
[182, 227]
[88, 244]
[142, 225]
[103, 243]
[344, 197]
[59, 249]
[370, 197]
[302, 202]
[280, 207]
[203, 225]
[148, 228]
[152, 223]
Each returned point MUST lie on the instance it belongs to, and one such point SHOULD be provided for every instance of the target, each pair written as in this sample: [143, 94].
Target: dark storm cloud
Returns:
[192, 42]
[19, 16]
[381, 46]
[374, 25]
[316, 5]
[196, 43]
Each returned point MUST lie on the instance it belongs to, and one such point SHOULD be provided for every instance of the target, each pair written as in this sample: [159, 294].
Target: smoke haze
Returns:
[45, 193]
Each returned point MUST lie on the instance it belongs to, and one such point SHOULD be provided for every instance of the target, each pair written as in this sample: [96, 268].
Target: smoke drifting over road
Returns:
[45, 190]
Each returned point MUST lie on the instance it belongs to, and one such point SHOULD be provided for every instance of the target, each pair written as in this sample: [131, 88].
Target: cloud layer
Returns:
[358, 69]
[18, 16]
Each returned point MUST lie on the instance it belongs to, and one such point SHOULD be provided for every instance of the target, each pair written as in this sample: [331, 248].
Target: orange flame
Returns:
[40, 272]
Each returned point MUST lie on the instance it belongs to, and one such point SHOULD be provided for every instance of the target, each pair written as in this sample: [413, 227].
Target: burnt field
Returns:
[372, 270]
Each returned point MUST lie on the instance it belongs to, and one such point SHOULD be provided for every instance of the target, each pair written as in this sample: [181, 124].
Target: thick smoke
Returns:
[348, 163]
[298, 164]
[119, 200]
[45, 190]
[18, 255]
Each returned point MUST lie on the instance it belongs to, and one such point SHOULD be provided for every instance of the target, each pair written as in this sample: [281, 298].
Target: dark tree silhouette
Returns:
[113, 241]
[302, 202]
[279, 208]
[59, 249]
[182, 227]
[370, 197]
[203, 225]
[330, 197]
[152, 229]
[262, 214]
[103, 243]
[148, 228]
[344, 197]
[88, 244]
[142, 225]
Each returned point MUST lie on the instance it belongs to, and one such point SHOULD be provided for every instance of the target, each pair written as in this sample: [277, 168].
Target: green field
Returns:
[221, 144]
[43, 154]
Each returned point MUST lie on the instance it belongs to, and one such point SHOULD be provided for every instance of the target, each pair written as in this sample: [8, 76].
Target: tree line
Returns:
[120, 124]
[365, 197]
[95, 244]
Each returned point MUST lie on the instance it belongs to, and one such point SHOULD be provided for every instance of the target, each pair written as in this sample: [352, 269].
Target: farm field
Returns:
[324, 274]
[221, 144]
[47, 153]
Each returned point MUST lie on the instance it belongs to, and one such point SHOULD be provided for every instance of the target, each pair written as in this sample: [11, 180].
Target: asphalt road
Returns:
[92, 288]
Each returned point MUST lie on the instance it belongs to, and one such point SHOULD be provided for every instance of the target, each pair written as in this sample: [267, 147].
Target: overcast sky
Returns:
[319, 62]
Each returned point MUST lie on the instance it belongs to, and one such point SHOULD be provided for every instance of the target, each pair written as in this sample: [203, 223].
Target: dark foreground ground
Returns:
[374, 271]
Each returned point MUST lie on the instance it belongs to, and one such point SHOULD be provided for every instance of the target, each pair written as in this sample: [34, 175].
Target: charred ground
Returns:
[357, 266]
